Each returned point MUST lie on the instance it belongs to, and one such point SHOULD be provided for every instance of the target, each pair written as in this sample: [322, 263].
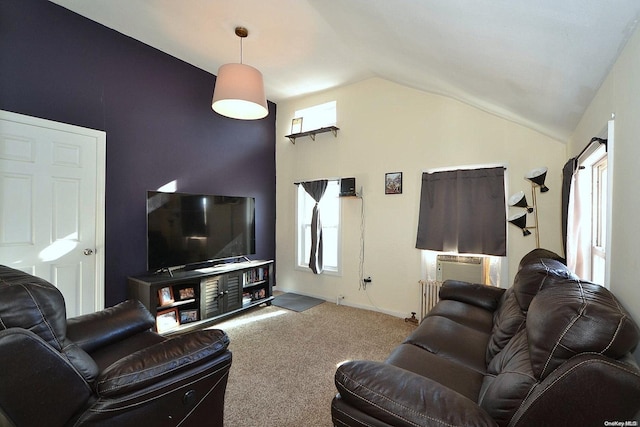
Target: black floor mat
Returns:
[296, 302]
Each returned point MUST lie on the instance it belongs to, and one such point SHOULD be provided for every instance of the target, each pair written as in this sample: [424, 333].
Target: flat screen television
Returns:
[184, 229]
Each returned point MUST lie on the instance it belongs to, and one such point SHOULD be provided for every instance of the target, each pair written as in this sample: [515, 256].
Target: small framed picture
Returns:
[186, 293]
[165, 295]
[393, 183]
[188, 316]
[167, 319]
[296, 125]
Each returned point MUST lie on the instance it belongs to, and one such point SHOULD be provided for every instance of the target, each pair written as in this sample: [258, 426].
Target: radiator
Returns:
[430, 295]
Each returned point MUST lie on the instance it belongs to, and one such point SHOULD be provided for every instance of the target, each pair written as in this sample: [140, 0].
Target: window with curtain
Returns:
[329, 208]
[463, 211]
[586, 213]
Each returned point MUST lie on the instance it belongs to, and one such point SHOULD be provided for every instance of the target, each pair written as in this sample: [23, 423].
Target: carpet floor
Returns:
[284, 361]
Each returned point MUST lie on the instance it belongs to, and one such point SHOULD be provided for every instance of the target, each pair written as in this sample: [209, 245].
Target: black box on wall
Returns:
[347, 187]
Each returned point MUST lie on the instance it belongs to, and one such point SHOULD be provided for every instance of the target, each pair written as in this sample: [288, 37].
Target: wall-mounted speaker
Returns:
[347, 187]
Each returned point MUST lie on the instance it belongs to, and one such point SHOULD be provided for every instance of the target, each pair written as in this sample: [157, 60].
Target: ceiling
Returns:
[538, 63]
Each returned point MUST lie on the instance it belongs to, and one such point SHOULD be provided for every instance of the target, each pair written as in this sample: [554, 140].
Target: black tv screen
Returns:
[185, 229]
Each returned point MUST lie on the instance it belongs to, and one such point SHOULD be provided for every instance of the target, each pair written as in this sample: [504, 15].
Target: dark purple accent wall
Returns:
[156, 112]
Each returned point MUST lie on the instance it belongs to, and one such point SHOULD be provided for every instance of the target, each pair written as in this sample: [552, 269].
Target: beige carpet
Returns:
[284, 361]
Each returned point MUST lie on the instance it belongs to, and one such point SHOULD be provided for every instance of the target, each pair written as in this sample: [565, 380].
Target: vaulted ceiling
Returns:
[538, 63]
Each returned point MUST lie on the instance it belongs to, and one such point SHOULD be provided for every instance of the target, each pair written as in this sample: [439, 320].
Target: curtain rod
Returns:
[328, 179]
[594, 139]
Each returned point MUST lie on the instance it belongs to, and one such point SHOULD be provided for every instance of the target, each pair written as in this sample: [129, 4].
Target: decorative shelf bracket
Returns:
[312, 133]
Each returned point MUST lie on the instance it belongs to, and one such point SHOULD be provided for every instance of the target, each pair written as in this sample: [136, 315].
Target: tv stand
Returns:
[184, 300]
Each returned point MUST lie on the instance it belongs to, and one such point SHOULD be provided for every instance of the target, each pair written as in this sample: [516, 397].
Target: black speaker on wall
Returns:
[347, 187]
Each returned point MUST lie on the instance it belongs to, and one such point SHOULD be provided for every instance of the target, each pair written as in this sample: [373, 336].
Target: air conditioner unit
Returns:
[474, 269]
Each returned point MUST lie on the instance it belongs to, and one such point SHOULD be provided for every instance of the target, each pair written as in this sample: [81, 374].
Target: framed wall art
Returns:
[393, 183]
[296, 125]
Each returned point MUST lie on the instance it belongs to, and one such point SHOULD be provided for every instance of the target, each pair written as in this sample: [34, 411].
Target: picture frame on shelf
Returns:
[393, 183]
[167, 319]
[188, 316]
[165, 296]
[186, 293]
[296, 125]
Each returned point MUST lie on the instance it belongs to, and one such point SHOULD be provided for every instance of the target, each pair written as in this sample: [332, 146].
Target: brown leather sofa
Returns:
[552, 350]
[102, 369]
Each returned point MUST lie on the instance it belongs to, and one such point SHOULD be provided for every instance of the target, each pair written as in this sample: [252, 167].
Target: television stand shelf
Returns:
[191, 299]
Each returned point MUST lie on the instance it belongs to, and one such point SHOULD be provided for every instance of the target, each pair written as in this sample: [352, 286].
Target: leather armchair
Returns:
[102, 369]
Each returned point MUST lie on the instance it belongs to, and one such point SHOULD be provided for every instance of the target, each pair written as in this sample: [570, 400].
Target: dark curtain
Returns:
[567, 173]
[463, 211]
[316, 190]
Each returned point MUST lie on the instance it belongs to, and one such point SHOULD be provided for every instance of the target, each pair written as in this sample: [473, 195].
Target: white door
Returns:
[52, 206]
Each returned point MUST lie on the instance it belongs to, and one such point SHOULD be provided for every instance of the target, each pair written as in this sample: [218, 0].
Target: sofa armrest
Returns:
[400, 397]
[95, 330]
[39, 385]
[160, 361]
[483, 296]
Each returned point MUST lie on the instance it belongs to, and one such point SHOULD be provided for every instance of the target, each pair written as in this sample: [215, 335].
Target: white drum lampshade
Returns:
[239, 93]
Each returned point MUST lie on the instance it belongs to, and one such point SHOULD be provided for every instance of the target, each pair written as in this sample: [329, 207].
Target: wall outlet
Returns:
[339, 298]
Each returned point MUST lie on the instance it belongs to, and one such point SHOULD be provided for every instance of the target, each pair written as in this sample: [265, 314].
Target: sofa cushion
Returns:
[464, 314]
[508, 320]
[508, 381]
[467, 348]
[483, 296]
[398, 397]
[111, 325]
[573, 317]
[447, 372]
[537, 254]
[155, 364]
[535, 275]
[34, 304]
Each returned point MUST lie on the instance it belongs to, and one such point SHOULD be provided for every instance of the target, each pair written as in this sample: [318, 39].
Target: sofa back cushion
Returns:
[508, 380]
[536, 275]
[537, 254]
[31, 303]
[508, 319]
[573, 317]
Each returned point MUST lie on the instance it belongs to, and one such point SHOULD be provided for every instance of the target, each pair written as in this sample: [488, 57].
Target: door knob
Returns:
[88, 251]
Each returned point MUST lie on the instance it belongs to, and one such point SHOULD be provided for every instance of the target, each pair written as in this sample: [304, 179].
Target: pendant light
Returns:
[239, 90]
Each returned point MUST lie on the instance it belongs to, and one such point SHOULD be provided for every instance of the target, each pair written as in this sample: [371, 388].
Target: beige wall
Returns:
[620, 95]
[385, 127]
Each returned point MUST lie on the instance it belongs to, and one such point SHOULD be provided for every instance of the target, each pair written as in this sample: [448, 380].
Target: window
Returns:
[599, 239]
[318, 116]
[587, 225]
[330, 219]
[463, 211]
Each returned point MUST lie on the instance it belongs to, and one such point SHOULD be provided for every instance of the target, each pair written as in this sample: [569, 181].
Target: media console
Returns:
[190, 299]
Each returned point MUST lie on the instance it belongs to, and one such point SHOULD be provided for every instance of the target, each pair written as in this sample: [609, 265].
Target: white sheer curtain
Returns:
[579, 225]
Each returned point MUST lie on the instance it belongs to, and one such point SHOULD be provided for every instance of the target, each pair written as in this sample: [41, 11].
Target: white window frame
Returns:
[318, 116]
[597, 194]
[331, 223]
